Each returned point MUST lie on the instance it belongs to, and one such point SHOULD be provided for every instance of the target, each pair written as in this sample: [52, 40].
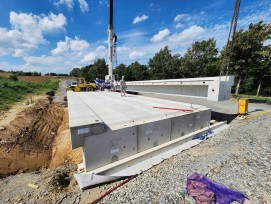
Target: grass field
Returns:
[250, 97]
[15, 91]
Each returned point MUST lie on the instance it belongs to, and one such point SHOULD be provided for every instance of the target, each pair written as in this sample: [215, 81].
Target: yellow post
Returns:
[242, 106]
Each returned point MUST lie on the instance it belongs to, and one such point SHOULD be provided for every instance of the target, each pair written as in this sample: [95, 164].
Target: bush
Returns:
[14, 78]
[50, 93]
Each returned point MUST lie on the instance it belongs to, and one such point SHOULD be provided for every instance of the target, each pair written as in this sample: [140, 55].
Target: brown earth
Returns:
[28, 78]
[6, 75]
[38, 137]
[40, 78]
[34, 78]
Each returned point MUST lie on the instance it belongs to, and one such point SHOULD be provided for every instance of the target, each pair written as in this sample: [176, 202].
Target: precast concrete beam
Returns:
[116, 127]
[82, 120]
[211, 88]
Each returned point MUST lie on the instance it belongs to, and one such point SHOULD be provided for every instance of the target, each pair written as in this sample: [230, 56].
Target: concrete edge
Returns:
[127, 162]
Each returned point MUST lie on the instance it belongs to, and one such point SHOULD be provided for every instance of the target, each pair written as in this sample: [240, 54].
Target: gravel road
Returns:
[239, 157]
[59, 98]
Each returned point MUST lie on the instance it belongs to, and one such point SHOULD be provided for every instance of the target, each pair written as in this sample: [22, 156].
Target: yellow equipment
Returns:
[81, 85]
[242, 106]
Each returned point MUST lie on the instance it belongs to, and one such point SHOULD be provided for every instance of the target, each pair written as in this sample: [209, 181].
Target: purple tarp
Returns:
[206, 191]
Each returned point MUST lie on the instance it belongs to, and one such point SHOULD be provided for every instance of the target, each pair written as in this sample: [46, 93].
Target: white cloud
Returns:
[68, 46]
[8, 66]
[160, 35]
[100, 48]
[139, 19]
[189, 33]
[44, 64]
[12, 41]
[68, 3]
[131, 35]
[101, 2]
[27, 24]
[179, 25]
[83, 6]
[52, 22]
[48, 60]
[136, 54]
[89, 58]
[68, 54]
[122, 49]
[28, 31]
[185, 17]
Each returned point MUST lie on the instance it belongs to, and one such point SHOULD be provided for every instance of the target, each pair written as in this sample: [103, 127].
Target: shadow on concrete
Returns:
[256, 110]
[259, 101]
[218, 116]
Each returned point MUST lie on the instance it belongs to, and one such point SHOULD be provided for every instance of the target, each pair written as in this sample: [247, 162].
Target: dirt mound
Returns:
[27, 143]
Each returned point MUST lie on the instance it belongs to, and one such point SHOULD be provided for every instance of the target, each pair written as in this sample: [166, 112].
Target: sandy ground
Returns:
[7, 116]
[36, 136]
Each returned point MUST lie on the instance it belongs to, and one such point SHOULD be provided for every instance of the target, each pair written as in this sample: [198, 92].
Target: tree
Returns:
[240, 56]
[85, 72]
[164, 65]
[123, 70]
[120, 70]
[139, 71]
[247, 52]
[201, 60]
[76, 72]
[98, 70]
[264, 68]
[259, 33]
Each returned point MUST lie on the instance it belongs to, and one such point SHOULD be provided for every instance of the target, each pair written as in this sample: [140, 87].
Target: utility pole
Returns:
[110, 40]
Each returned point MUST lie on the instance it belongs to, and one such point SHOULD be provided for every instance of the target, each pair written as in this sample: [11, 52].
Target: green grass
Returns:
[250, 97]
[16, 91]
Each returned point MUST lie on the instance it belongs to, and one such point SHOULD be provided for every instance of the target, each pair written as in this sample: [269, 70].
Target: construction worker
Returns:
[123, 86]
[111, 85]
[115, 85]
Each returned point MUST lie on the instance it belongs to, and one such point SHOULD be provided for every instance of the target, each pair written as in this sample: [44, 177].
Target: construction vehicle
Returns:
[81, 85]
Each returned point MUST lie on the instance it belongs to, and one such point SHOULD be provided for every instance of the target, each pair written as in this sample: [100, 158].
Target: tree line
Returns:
[22, 73]
[250, 62]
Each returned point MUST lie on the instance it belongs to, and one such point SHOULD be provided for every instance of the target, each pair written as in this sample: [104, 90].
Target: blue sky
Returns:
[57, 35]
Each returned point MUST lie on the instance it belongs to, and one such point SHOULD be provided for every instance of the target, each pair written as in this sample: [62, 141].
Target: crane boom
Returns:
[110, 40]
[227, 54]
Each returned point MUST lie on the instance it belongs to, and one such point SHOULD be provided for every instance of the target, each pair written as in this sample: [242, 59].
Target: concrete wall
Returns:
[111, 146]
[211, 88]
[184, 90]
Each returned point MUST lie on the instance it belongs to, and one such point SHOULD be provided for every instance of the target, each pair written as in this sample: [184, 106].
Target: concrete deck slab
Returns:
[124, 126]
[116, 111]
[224, 107]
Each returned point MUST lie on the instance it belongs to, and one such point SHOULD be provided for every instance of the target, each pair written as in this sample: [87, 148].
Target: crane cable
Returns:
[115, 38]
[228, 50]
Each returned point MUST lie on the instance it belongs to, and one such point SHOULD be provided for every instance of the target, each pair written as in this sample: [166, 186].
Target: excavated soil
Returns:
[37, 138]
